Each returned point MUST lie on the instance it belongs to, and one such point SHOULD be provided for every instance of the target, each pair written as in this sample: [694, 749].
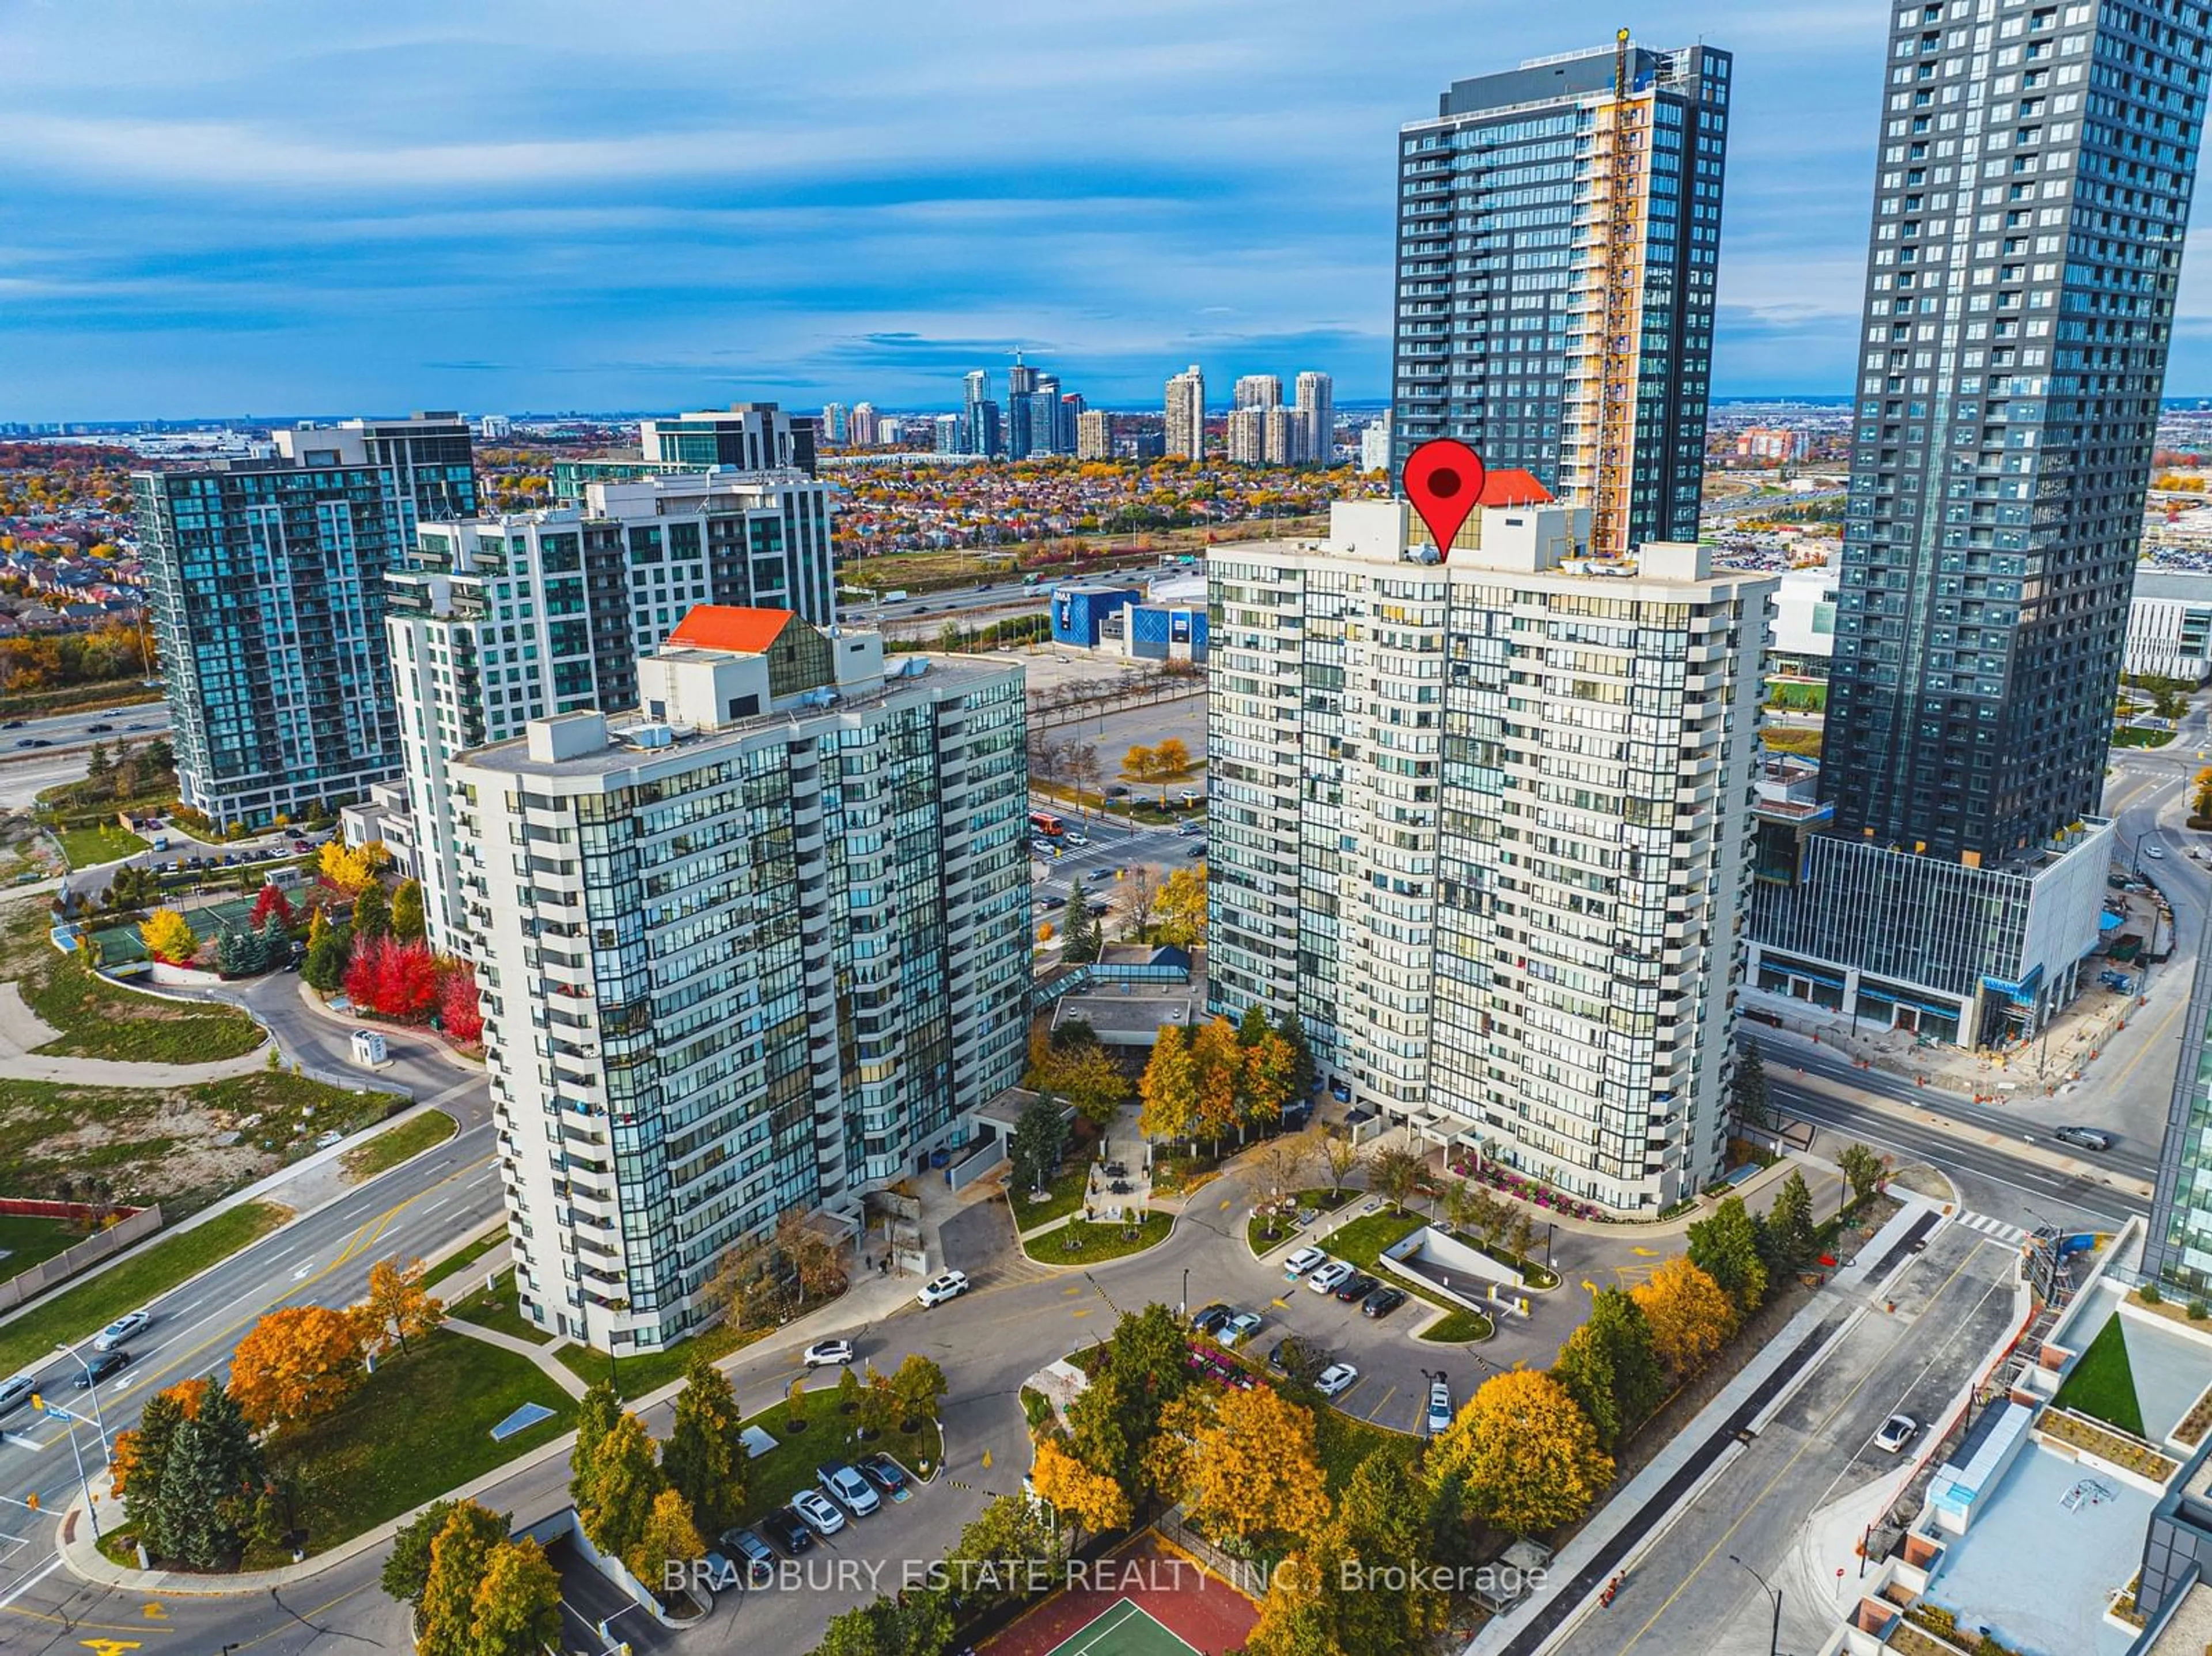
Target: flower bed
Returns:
[2191, 1432]
[1534, 1191]
[2114, 1448]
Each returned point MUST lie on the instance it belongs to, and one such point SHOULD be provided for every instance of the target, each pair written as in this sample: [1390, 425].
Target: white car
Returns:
[817, 1513]
[1303, 1260]
[1073, 838]
[1239, 1328]
[1336, 1380]
[852, 1491]
[120, 1330]
[1330, 1278]
[946, 1285]
[828, 1354]
[2156, 853]
[1439, 1418]
[1896, 1432]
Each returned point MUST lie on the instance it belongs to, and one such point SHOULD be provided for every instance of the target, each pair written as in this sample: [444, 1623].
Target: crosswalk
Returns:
[2009, 1233]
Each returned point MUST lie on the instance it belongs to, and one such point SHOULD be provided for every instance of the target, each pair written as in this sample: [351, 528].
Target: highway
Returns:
[141, 722]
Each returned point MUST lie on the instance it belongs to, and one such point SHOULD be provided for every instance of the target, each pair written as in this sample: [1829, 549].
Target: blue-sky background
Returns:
[231, 206]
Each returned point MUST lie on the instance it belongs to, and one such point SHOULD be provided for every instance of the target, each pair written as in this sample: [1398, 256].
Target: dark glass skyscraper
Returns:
[1558, 235]
[2031, 199]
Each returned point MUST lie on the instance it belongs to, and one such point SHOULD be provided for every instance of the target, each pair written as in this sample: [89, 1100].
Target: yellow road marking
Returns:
[154, 1612]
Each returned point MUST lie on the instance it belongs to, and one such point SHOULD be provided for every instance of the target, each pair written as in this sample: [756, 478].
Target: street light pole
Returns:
[1774, 1639]
[1183, 1306]
[93, 1386]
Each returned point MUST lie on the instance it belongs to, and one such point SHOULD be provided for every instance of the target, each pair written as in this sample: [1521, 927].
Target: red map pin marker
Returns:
[1444, 480]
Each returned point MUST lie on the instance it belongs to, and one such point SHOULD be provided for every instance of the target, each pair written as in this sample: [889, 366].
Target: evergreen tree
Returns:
[1724, 1245]
[407, 1571]
[212, 1468]
[275, 943]
[328, 955]
[150, 1441]
[705, 1457]
[1747, 1089]
[1292, 1029]
[596, 1415]
[1792, 1239]
[1039, 1139]
[1081, 937]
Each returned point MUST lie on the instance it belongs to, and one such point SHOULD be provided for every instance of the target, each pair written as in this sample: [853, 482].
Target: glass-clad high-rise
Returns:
[2030, 203]
[1559, 235]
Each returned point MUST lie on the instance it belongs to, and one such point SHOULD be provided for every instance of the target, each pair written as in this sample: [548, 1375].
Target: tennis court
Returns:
[1123, 1630]
[118, 945]
[1145, 1598]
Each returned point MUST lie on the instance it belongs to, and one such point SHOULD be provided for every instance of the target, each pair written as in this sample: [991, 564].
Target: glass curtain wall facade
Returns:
[2032, 196]
[1559, 237]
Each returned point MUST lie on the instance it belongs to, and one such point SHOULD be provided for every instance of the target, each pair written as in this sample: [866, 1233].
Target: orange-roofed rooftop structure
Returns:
[737, 627]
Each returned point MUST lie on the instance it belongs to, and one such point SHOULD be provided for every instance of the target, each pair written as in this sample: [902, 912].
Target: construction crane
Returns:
[1620, 314]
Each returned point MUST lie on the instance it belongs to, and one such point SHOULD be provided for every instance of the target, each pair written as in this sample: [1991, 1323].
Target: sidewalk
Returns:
[554, 1370]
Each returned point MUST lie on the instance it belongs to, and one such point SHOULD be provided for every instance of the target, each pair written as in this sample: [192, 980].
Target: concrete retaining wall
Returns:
[29, 1284]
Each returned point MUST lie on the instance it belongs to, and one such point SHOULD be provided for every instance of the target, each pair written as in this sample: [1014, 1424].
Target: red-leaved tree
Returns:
[270, 900]
[456, 1004]
[392, 979]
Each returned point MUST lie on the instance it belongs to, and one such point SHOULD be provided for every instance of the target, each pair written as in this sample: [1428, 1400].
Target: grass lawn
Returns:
[395, 1144]
[1458, 1328]
[1362, 1241]
[26, 1241]
[166, 1144]
[467, 1257]
[499, 1310]
[637, 1372]
[2102, 1384]
[145, 1274]
[99, 1020]
[784, 1471]
[1082, 1243]
[419, 1426]
[1343, 1441]
[105, 842]
[1065, 1195]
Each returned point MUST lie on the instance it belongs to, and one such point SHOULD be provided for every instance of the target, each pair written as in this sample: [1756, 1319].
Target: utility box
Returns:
[369, 1049]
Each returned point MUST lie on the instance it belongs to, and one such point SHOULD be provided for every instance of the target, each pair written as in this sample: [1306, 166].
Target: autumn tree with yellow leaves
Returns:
[1527, 1459]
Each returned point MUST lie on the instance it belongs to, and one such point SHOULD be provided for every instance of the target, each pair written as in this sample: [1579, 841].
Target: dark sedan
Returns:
[100, 1367]
[1357, 1286]
[784, 1528]
[880, 1470]
[1382, 1301]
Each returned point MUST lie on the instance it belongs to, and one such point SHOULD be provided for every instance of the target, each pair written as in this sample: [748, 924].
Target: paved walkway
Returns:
[556, 1371]
[21, 1030]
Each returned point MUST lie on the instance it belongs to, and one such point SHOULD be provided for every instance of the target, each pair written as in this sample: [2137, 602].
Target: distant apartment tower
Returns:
[766, 948]
[1559, 233]
[1317, 407]
[948, 434]
[1244, 435]
[1374, 445]
[750, 436]
[1257, 390]
[1186, 415]
[979, 415]
[1765, 443]
[2031, 196]
[836, 423]
[1066, 418]
[1282, 437]
[266, 582]
[494, 427]
[1485, 826]
[498, 620]
[863, 433]
[1094, 435]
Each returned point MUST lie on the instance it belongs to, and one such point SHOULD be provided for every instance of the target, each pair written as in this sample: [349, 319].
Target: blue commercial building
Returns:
[1078, 612]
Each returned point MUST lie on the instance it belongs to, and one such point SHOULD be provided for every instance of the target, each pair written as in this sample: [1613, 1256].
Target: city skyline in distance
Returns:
[498, 218]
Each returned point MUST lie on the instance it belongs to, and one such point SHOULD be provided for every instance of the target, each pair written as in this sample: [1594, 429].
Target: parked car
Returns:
[1439, 1416]
[880, 1470]
[1382, 1301]
[1210, 1320]
[1303, 1260]
[752, 1556]
[100, 1367]
[1336, 1380]
[1294, 1354]
[16, 1391]
[818, 1512]
[720, 1574]
[1357, 1286]
[120, 1330]
[784, 1528]
[826, 1354]
[1896, 1432]
[945, 1285]
[2083, 1138]
[1240, 1328]
[852, 1491]
[1330, 1276]
[2156, 853]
